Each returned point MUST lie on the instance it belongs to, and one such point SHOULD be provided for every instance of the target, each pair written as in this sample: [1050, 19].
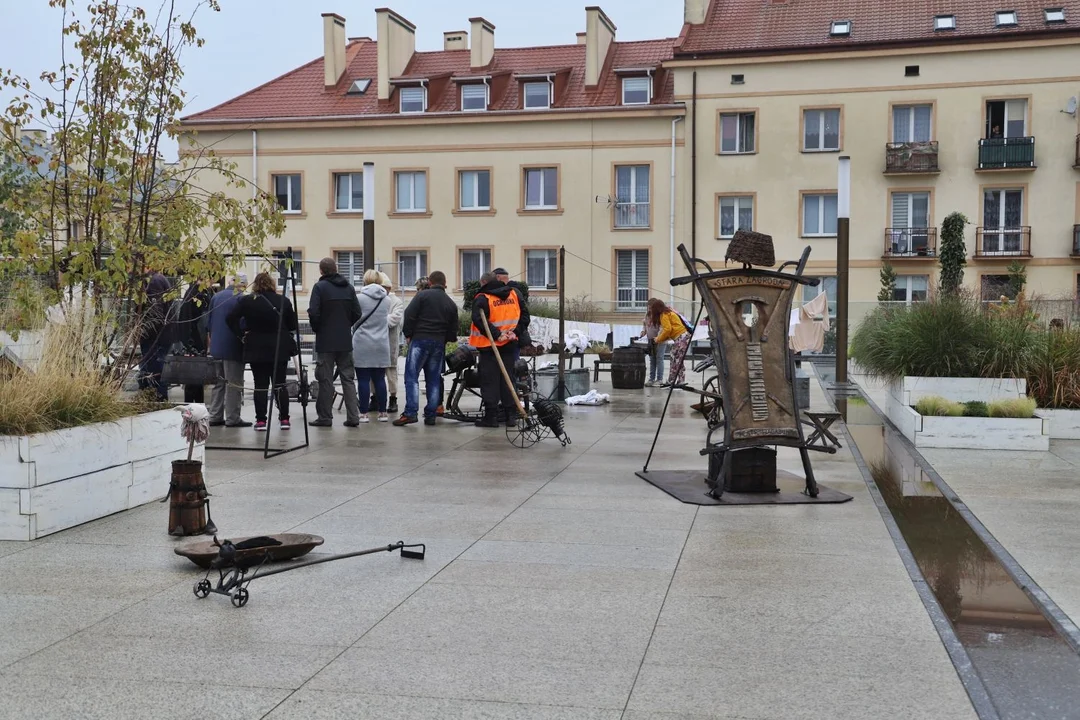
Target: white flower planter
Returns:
[56, 480]
[1064, 424]
[965, 433]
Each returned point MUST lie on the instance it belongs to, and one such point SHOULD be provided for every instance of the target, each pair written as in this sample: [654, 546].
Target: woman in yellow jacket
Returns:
[672, 327]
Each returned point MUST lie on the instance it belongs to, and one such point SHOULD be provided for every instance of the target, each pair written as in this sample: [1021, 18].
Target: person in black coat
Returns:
[192, 327]
[154, 339]
[270, 322]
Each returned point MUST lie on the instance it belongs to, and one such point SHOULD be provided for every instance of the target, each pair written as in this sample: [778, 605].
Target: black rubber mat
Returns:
[689, 486]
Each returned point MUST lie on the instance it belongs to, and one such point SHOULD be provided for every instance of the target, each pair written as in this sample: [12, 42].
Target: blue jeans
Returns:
[365, 378]
[150, 366]
[426, 355]
[656, 364]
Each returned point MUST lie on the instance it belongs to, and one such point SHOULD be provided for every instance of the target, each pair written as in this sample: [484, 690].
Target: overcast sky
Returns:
[252, 41]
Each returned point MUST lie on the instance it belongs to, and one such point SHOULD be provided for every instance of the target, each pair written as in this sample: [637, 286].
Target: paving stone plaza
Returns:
[556, 585]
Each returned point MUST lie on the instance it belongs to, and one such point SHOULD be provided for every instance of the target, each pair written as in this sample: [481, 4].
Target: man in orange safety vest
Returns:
[508, 318]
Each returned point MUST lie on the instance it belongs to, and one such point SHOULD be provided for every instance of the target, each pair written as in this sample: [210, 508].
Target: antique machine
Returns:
[751, 404]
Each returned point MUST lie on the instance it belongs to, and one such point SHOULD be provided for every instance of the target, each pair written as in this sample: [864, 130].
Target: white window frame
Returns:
[633, 204]
[411, 91]
[840, 28]
[544, 200]
[648, 87]
[353, 177]
[1054, 15]
[905, 282]
[635, 304]
[412, 208]
[821, 129]
[740, 120]
[821, 215]
[525, 94]
[737, 202]
[910, 121]
[476, 206]
[487, 96]
[350, 259]
[1005, 116]
[485, 262]
[289, 209]
[420, 258]
[551, 269]
[999, 230]
[297, 268]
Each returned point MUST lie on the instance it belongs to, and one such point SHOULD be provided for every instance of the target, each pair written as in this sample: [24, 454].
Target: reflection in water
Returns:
[1028, 669]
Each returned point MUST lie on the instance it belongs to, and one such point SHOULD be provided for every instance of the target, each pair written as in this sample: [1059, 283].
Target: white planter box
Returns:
[971, 433]
[53, 481]
[24, 352]
[1064, 424]
[913, 389]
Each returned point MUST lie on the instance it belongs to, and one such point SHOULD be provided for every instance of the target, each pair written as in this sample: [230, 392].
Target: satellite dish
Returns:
[605, 199]
[1070, 107]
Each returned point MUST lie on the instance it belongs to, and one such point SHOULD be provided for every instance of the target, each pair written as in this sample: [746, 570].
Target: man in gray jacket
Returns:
[333, 309]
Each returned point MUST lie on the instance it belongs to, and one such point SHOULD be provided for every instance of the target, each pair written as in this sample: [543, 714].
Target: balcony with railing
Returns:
[632, 215]
[1014, 153]
[1076, 241]
[911, 158]
[912, 243]
[1002, 242]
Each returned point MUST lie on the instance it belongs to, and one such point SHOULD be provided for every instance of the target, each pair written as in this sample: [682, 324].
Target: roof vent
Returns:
[1054, 15]
[359, 87]
[1005, 18]
[840, 28]
[944, 22]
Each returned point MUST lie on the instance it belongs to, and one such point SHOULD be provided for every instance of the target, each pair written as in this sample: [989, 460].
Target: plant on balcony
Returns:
[953, 253]
[888, 283]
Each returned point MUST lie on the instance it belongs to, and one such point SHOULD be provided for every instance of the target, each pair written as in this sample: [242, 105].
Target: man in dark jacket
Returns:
[191, 332]
[431, 321]
[504, 309]
[154, 340]
[228, 390]
[333, 309]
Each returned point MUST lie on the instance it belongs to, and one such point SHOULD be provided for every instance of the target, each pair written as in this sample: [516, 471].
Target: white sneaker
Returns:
[383, 417]
[365, 419]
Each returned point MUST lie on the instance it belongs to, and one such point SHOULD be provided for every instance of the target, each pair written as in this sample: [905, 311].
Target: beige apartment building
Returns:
[941, 107]
[487, 156]
[483, 157]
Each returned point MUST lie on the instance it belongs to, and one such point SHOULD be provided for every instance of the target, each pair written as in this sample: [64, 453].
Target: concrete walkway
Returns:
[557, 586]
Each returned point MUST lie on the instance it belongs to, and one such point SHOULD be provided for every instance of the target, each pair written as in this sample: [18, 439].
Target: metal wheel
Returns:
[202, 589]
[715, 415]
[239, 597]
[525, 433]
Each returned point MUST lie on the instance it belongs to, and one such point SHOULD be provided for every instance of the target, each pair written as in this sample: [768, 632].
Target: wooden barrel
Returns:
[628, 368]
[187, 499]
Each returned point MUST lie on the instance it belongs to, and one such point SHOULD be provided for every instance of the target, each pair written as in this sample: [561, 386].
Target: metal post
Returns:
[560, 388]
[369, 216]
[843, 215]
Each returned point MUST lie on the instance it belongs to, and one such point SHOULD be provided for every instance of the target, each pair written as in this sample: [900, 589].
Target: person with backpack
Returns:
[672, 327]
[371, 345]
[268, 334]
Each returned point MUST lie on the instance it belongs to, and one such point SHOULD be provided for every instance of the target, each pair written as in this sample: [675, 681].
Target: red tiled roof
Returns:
[300, 93]
[736, 27]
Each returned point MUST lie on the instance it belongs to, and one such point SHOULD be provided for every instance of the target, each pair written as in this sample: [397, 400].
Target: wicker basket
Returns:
[752, 248]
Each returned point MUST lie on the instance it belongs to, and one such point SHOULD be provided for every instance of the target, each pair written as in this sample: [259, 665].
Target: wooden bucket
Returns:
[188, 499]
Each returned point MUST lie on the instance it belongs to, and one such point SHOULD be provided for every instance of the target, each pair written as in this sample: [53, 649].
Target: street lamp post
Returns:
[843, 219]
[369, 216]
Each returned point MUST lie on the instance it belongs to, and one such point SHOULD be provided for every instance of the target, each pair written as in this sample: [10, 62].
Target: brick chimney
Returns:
[333, 48]
[396, 37]
[581, 38]
[483, 42]
[599, 34]
[456, 40]
[694, 11]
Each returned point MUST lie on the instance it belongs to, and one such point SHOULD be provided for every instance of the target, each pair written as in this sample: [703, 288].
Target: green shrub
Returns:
[1053, 379]
[976, 408]
[939, 406]
[468, 293]
[464, 324]
[1015, 408]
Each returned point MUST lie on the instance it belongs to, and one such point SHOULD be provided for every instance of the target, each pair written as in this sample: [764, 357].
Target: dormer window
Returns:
[945, 22]
[538, 94]
[1006, 18]
[1054, 15]
[474, 98]
[637, 90]
[840, 28]
[413, 99]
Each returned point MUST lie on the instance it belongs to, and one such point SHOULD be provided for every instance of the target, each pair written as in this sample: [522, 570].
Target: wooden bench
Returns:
[822, 438]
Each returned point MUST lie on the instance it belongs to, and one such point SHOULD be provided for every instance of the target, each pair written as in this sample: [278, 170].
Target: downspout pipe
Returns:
[693, 177]
[671, 240]
[254, 164]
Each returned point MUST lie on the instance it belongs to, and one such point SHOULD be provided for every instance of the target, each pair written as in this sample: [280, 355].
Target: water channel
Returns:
[1029, 671]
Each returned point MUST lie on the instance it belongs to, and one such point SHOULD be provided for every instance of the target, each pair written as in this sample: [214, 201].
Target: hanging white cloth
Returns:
[809, 333]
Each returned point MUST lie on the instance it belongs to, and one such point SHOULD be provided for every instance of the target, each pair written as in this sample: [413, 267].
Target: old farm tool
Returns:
[536, 422]
[238, 564]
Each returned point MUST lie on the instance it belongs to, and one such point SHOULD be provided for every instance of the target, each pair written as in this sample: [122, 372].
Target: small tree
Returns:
[953, 253]
[1017, 278]
[888, 283]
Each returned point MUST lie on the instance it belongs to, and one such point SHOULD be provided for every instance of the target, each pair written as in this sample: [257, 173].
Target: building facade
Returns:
[487, 157]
